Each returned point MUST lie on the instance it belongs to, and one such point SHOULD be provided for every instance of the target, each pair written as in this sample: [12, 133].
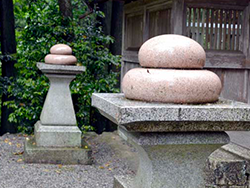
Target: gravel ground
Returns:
[14, 173]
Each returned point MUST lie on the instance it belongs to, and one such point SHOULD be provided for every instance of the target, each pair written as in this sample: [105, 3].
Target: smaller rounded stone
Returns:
[60, 59]
[61, 49]
[171, 85]
[172, 51]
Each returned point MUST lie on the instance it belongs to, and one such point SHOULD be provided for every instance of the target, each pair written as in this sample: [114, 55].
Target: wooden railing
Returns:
[215, 29]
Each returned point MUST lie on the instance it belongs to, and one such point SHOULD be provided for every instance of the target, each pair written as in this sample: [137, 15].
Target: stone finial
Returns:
[172, 51]
[61, 49]
[155, 84]
[61, 54]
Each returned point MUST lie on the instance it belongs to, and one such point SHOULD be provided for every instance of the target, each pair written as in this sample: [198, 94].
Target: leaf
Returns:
[19, 160]
[18, 153]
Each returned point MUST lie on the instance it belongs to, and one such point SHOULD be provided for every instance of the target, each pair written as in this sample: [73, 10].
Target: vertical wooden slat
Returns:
[203, 30]
[216, 31]
[225, 30]
[233, 37]
[221, 21]
[194, 18]
[212, 29]
[207, 27]
[189, 21]
[198, 25]
[145, 25]
[229, 29]
[238, 31]
[169, 22]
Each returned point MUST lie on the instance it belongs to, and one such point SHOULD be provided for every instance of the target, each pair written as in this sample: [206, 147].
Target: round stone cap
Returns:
[171, 85]
[172, 51]
[61, 49]
[60, 59]
[61, 54]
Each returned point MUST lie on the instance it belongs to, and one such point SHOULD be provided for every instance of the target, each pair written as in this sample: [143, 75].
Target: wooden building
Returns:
[222, 27]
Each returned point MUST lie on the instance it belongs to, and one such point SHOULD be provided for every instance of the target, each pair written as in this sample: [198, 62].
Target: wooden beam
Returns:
[177, 17]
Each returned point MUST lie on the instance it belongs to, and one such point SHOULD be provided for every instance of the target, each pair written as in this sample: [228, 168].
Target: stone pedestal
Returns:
[171, 159]
[173, 141]
[57, 138]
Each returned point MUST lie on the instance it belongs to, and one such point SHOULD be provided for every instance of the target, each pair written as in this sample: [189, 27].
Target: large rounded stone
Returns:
[60, 59]
[172, 51]
[61, 49]
[171, 86]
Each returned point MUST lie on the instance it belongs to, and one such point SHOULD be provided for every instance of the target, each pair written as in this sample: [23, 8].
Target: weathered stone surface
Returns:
[227, 169]
[123, 182]
[61, 49]
[173, 159]
[171, 86]
[57, 136]
[153, 117]
[58, 107]
[67, 155]
[172, 51]
[60, 59]
[60, 69]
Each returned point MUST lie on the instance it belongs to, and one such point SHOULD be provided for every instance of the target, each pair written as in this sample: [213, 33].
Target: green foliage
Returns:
[40, 27]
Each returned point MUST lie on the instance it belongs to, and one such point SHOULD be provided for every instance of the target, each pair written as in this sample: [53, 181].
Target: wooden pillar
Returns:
[178, 17]
[246, 34]
[8, 47]
[248, 38]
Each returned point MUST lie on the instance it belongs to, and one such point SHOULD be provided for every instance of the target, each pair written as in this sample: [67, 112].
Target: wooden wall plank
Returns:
[221, 29]
[238, 31]
[221, 2]
[229, 30]
[234, 28]
[225, 30]
[212, 30]
[203, 29]
[216, 30]
[207, 28]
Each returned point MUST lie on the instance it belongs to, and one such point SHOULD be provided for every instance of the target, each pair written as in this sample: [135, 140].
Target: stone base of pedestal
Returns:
[170, 160]
[123, 182]
[50, 155]
[57, 136]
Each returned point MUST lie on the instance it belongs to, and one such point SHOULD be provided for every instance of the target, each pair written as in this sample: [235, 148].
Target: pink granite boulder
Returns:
[171, 86]
[172, 51]
[60, 59]
[61, 49]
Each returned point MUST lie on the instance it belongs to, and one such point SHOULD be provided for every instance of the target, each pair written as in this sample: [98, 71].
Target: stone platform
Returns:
[173, 141]
[57, 155]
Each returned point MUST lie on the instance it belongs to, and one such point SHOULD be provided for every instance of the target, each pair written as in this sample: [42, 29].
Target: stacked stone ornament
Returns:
[172, 73]
[61, 54]
[57, 139]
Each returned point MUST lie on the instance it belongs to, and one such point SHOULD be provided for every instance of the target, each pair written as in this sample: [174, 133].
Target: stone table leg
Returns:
[171, 160]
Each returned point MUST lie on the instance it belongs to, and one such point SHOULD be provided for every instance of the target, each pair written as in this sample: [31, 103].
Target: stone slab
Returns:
[138, 116]
[174, 138]
[123, 182]
[60, 69]
[66, 156]
[57, 136]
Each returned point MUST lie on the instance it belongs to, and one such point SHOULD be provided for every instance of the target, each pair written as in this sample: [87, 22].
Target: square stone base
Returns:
[50, 155]
[123, 182]
[57, 136]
